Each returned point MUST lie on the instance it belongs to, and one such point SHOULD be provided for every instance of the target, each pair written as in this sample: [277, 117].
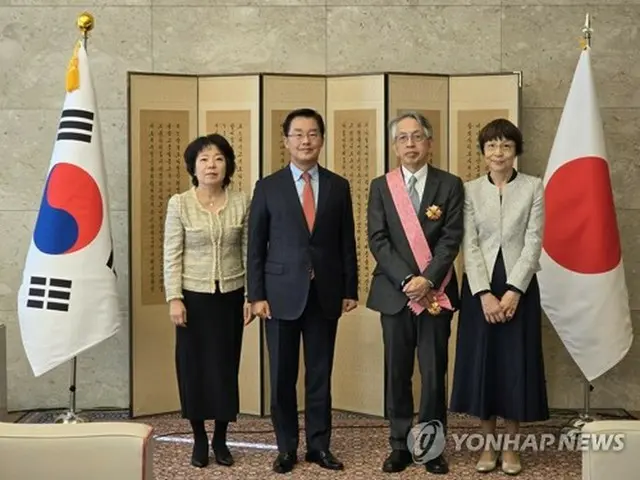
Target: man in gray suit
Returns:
[415, 228]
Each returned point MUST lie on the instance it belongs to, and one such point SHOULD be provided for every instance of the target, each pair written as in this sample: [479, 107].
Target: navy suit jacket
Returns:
[281, 251]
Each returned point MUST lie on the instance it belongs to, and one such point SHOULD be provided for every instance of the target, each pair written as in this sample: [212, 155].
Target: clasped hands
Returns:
[417, 288]
[500, 311]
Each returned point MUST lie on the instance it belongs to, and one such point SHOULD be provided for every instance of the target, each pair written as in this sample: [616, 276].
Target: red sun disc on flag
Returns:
[581, 230]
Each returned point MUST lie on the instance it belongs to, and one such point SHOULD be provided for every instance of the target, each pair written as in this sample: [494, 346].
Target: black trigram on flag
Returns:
[76, 125]
[49, 294]
[110, 264]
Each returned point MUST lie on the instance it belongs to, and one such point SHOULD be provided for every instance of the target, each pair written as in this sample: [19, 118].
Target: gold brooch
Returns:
[434, 212]
[434, 308]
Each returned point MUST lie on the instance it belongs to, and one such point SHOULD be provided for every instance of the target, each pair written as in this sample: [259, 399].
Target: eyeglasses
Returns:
[312, 136]
[494, 147]
[415, 137]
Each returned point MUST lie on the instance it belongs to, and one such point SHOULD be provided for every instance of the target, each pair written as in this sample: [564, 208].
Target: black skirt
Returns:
[499, 368]
[208, 355]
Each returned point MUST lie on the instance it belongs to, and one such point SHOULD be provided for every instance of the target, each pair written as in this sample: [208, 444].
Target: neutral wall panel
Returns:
[475, 100]
[163, 119]
[356, 150]
[230, 106]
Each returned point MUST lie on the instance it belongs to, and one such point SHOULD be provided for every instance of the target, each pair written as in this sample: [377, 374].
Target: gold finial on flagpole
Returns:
[586, 33]
[85, 23]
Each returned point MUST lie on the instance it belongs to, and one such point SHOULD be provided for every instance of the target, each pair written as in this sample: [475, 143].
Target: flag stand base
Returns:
[585, 416]
[71, 416]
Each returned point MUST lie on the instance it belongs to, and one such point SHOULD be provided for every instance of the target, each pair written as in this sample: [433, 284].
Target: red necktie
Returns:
[308, 203]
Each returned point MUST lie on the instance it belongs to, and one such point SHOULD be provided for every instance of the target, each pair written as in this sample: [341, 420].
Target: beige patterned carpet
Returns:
[359, 441]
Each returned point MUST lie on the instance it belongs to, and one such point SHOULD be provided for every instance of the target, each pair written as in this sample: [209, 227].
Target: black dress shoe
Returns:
[284, 462]
[325, 459]
[222, 455]
[438, 465]
[397, 461]
[200, 454]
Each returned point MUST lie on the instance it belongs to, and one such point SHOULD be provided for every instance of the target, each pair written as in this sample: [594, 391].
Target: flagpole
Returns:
[85, 24]
[585, 415]
[587, 31]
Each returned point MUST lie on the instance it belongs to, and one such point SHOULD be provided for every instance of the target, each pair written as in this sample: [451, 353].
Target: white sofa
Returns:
[100, 451]
[613, 465]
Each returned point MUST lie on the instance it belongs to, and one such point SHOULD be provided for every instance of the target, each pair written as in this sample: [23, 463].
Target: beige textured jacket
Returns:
[201, 247]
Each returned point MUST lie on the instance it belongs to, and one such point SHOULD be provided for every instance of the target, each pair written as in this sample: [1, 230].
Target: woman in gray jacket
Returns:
[499, 369]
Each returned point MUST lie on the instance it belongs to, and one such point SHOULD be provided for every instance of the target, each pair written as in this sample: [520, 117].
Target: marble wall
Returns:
[539, 37]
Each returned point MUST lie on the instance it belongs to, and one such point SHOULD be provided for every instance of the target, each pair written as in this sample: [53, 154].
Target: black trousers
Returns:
[283, 341]
[403, 333]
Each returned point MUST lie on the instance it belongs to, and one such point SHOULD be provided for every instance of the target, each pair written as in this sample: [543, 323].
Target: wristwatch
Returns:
[406, 280]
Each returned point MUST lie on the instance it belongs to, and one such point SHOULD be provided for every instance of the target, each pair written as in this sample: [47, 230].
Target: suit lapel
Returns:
[291, 197]
[324, 193]
[428, 196]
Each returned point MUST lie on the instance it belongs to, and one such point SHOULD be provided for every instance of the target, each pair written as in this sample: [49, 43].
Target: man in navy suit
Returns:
[302, 276]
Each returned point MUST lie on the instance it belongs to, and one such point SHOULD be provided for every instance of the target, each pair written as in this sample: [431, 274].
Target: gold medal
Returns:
[434, 212]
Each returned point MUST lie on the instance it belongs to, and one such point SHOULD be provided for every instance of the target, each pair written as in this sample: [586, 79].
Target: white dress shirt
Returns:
[421, 178]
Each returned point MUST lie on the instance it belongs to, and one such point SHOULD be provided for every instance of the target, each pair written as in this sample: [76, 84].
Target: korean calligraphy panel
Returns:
[278, 157]
[164, 134]
[235, 126]
[354, 133]
[162, 121]
[356, 150]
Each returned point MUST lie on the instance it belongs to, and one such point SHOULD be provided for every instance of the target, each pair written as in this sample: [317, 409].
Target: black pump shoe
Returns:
[200, 455]
[222, 455]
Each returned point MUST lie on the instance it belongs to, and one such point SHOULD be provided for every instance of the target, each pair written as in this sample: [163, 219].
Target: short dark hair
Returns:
[304, 113]
[498, 129]
[201, 143]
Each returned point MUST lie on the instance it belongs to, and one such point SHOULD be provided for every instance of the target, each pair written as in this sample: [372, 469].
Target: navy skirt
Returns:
[499, 368]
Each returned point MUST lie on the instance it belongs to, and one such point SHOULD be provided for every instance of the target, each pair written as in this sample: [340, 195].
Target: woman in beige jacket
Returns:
[205, 243]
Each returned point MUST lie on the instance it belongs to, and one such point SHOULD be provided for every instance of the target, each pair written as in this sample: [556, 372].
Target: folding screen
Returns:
[475, 100]
[167, 111]
[231, 106]
[248, 111]
[163, 118]
[356, 150]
